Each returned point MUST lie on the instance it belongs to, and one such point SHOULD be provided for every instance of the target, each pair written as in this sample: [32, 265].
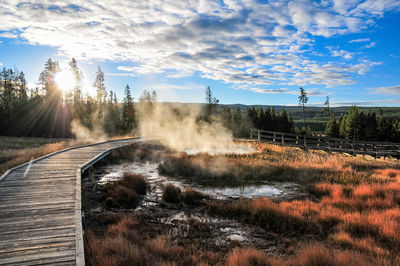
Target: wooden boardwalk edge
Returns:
[79, 243]
[80, 250]
[57, 152]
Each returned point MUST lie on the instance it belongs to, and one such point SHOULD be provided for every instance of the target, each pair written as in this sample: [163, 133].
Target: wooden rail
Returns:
[376, 149]
[40, 206]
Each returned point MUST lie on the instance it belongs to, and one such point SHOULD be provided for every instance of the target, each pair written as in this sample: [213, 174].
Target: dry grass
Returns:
[276, 163]
[173, 194]
[15, 151]
[354, 218]
[250, 257]
[191, 196]
[124, 192]
[11, 157]
[123, 245]
[357, 216]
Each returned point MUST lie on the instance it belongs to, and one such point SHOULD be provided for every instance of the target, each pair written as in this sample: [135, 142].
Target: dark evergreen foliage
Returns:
[46, 111]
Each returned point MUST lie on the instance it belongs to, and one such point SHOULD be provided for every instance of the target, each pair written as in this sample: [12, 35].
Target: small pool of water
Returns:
[150, 171]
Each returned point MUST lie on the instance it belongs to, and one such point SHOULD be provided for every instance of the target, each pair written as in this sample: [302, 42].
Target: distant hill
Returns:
[315, 116]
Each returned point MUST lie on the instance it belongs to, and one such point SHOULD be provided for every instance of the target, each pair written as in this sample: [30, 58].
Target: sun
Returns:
[65, 80]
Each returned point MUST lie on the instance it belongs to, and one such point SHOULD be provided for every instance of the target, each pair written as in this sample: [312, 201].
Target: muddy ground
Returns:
[185, 225]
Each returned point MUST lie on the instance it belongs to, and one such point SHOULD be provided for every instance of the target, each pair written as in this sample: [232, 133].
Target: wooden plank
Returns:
[40, 209]
[24, 244]
[38, 257]
[39, 233]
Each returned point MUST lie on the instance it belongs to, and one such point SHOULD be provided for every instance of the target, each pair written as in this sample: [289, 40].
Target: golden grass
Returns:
[277, 163]
[353, 220]
[357, 216]
[13, 157]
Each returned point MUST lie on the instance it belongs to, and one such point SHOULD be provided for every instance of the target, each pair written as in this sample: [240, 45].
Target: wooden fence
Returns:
[376, 149]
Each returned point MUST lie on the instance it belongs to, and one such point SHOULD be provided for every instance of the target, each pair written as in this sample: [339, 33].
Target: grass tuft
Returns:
[125, 192]
[171, 194]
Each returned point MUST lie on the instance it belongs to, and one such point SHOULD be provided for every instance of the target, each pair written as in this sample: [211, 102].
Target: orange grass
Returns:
[277, 163]
[358, 210]
[123, 245]
[368, 221]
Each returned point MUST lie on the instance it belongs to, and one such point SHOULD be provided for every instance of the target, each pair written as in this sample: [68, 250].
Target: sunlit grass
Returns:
[15, 151]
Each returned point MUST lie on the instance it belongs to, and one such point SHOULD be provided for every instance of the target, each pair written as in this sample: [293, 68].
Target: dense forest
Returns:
[47, 111]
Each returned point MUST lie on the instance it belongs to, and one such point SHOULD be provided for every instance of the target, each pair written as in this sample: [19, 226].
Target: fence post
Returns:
[258, 135]
[305, 142]
[297, 140]
[251, 133]
[274, 137]
[283, 141]
[318, 141]
[329, 146]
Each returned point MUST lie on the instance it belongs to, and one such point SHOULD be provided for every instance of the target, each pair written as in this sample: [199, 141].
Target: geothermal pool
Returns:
[150, 171]
[178, 220]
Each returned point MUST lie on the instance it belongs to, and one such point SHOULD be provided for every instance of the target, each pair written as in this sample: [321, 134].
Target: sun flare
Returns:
[65, 80]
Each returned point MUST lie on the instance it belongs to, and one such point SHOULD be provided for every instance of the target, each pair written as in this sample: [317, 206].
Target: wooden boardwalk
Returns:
[40, 207]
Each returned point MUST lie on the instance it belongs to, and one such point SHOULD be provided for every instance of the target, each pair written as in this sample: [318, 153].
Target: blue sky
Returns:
[249, 52]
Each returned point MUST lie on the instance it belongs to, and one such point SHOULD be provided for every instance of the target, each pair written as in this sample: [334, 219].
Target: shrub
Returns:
[125, 192]
[249, 257]
[171, 194]
[318, 191]
[315, 255]
[120, 196]
[136, 182]
[347, 192]
[264, 213]
[191, 196]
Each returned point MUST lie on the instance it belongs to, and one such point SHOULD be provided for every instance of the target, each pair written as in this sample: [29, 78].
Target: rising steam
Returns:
[85, 135]
[178, 127]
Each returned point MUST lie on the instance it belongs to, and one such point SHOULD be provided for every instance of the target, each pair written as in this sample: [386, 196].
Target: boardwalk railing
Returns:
[376, 149]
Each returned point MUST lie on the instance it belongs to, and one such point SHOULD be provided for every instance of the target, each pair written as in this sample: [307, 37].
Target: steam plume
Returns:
[178, 127]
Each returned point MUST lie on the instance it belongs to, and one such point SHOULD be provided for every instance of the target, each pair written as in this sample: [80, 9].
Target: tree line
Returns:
[358, 125]
[46, 111]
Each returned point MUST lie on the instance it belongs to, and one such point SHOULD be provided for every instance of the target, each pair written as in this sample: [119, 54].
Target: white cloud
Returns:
[273, 91]
[248, 42]
[172, 87]
[9, 35]
[392, 90]
[342, 53]
[370, 45]
[360, 40]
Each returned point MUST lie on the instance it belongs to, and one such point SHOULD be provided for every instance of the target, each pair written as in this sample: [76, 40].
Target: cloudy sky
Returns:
[250, 52]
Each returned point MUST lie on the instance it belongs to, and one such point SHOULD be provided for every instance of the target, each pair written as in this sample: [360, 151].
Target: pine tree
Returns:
[211, 104]
[303, 99]
[332, 128]
[226, 116]
[128, 113]
[99, 85]
[350, 126]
